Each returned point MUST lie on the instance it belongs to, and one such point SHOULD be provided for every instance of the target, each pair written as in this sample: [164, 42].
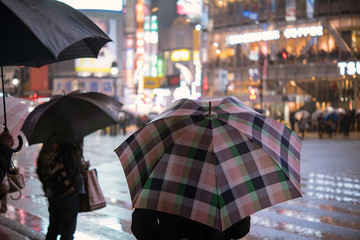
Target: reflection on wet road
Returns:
[329, 209]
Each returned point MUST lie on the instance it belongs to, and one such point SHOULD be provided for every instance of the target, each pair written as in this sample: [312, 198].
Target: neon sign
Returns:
[274, 35]
[180, 55]
[303, 32]
[253, 37]
[349, 68]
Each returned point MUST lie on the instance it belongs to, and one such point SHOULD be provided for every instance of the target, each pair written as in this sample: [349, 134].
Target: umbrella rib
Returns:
[4, 105]
[217, 186]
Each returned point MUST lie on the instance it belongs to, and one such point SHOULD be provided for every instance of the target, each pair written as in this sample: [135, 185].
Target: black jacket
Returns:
[149, 224]
[5, 158]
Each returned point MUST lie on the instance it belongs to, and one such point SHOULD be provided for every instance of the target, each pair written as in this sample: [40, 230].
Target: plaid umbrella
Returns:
[17, 111]
[214, 162]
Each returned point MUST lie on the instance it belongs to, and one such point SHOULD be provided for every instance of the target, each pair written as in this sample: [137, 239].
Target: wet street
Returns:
[329, 209]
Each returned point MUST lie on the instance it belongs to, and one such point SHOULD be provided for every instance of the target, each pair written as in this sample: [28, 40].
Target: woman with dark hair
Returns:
[64, 184]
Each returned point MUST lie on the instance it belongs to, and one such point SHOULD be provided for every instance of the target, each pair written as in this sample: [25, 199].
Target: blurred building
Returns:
[161, 56]
[282, 55]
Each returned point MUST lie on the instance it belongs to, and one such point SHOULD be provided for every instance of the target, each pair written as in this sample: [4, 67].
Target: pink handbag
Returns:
[93, 198]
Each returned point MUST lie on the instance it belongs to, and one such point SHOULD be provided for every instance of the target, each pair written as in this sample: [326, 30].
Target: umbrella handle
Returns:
[20, 144]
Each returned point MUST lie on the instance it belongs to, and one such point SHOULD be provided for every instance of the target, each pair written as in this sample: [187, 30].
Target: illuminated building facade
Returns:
[294, 53]
[162, 59]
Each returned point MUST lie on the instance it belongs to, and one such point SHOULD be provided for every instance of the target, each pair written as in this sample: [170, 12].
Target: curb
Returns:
[19, 231]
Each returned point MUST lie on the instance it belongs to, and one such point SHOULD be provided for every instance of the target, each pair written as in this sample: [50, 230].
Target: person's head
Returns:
[66, 151]
[7, 139]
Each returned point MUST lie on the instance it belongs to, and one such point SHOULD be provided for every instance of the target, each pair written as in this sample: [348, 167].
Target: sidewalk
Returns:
[18, 231]
[354, 135]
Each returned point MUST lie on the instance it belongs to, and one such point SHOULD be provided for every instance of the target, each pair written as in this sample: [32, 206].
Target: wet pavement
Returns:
[329, 208]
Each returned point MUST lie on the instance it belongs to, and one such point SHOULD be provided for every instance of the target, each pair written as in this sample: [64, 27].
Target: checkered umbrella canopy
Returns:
[214, 161]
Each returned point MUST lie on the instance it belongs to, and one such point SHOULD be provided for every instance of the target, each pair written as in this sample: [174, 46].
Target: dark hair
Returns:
[67, 156]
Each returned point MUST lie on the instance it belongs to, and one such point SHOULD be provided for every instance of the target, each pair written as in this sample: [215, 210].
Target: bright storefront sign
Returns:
[274, 35]
[153, 82]
[100, 66]
[303, 32]
[180, 55]
[102, 85]
[253, 37]
[349, 68]
[109, 5]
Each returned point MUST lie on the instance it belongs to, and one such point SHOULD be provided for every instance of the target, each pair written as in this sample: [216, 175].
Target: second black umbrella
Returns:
[69, 118]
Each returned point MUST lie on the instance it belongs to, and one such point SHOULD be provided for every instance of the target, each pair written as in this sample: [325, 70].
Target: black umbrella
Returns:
[39, 32]
[69, 118]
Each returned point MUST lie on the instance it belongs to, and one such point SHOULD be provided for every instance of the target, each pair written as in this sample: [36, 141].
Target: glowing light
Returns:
[180, 55]
[182, 92]
[15, 82]
[253, 37]
[252, 95]
[350, 68]
[303, 32]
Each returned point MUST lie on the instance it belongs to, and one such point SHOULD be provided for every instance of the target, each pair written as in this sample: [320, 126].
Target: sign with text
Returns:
[349, 68]
[67, 85]
[153, 82]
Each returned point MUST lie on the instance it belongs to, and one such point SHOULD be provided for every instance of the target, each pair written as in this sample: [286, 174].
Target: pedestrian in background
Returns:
[346, 123]
[122, 122]
[64, 183]
[302, 125]
[331, 123]
[321, 125]
[292, 121]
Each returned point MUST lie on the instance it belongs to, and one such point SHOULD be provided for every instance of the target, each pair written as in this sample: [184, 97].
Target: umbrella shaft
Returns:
[3, 89]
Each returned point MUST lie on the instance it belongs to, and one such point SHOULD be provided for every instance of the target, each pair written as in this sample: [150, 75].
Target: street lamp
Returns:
[114, 72]
[114, 69]
[15, 81]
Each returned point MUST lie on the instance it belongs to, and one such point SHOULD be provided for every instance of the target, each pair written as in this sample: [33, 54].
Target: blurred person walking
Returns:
[321, 125]
[346, 123]
[302, 125]
[331, 123]
[123, 121]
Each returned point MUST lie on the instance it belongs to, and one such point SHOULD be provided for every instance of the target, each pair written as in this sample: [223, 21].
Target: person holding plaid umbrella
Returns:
[149, 224]
[214, 162]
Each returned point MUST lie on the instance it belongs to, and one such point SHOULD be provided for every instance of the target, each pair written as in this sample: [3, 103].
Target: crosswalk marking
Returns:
[329, 209]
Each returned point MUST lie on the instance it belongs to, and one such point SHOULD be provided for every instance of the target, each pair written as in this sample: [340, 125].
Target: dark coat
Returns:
[5, 158]
[149, 224]
[145, 224]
